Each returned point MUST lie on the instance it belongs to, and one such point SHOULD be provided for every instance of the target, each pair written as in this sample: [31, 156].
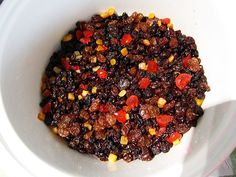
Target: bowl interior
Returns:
[34, 31]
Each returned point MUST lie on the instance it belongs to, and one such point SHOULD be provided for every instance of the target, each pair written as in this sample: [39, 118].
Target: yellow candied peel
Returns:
[161, 102]
[171, 58]
[152, 131]
[176, 142]
[113, 61]
[85, 93]
[94, 90]
[109, 12]
[112, 157]
[93, 59]
[71, 96]
[67, 38]
[54, 130]
[96, 68]
[99, 41]
[88, 125]
[80, 97]
[124, 51]
[142, 66]
[122, 93]
[151, 15]
[146, 42]
[41, 116]
[199, 101]
[170, 25]
[124, 140]
[127, 116]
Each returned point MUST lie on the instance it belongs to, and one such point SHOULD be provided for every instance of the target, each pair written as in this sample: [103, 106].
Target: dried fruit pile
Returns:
[123, 87]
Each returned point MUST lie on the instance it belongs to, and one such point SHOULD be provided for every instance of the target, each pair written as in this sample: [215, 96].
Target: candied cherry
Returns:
[182, 80]
[163, 119]
[185, 61]
[165, 21]
[152, 66]
[87, 33]
[144, 83]
[173, 137]
[126, 39]
[85, 40]
[120, 116]
[102, 74]
[132, 101]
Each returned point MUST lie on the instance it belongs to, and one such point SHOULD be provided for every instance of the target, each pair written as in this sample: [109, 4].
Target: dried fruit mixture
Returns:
[123, 87]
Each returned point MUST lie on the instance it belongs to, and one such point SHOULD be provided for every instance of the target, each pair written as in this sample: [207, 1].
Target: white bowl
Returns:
[31, 30]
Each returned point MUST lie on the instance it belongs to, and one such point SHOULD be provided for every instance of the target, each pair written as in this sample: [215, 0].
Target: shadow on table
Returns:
[218, 126]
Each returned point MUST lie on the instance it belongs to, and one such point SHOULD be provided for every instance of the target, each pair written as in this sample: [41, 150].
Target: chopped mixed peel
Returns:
[85, 93]
[151, 15]
[124, 51]
[54, 130]
[71, 96]
[112, 157]
[94, 90]
[108, 13]
[199, 101]
[67, 38]
[41, 116]
[146, 42]
[122, 93]
[161, 102]
[142, 66]
[171, 58]
[152, 131]
[124, 140]
[113, 61]
[88, 125]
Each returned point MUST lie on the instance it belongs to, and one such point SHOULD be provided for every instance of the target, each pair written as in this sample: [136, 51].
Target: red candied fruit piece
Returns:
[144, 83]
[102, 48]
[173, 137]
[103, 108]
[65, 64]
[165, 21]
[47, 107]
[85, 40]
[76, 67]
[163, 119]
[87, 33]
[120, 116]
[152, 66]
[126, 39]
[126, 108]
[182, 80]
[102, 74]
[132, 101]
[78, 34]
[185, 61]
[83, 86]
